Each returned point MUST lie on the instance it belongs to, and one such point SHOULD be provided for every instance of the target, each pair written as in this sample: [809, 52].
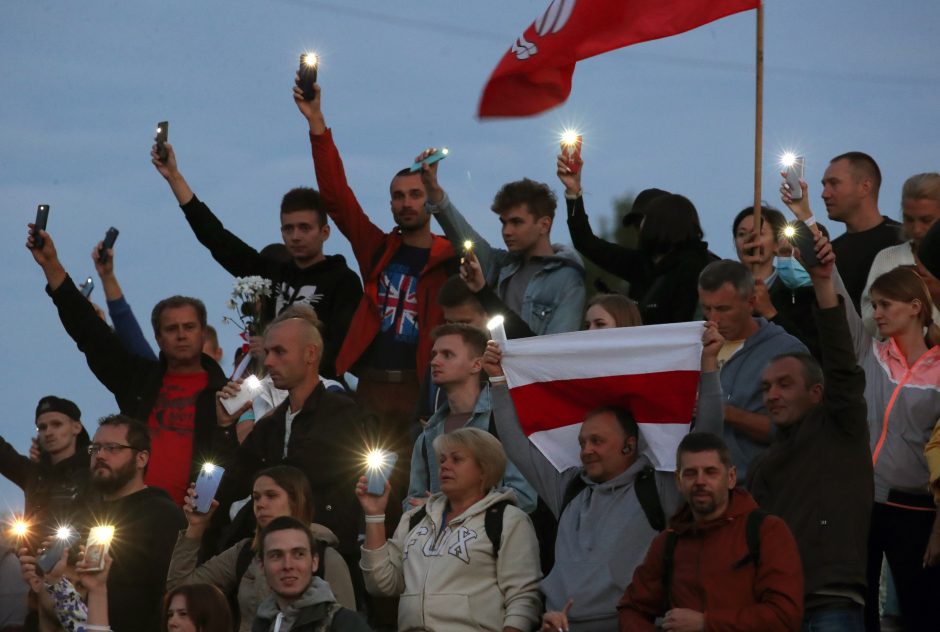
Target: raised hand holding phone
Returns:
[42, 218]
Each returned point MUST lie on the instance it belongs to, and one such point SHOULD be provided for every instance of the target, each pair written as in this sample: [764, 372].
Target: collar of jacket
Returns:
[740, 503]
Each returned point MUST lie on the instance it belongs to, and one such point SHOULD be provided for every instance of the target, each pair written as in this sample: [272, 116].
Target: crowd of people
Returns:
[808, 484]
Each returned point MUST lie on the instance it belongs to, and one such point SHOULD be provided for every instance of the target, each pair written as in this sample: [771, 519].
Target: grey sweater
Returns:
[603, 534]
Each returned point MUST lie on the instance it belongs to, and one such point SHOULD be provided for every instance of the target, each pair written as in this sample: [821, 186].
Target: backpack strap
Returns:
[322, 546]
[669, 550]
[493, 524]
[242, 562]
[752, 532]
[574, 487]
[648, 495]
[417, 517]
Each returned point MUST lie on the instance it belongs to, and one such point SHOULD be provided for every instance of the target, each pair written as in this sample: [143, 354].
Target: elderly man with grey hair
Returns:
[726, 292]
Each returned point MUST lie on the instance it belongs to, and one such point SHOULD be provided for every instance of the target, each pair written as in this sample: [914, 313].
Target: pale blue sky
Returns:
[82, 85]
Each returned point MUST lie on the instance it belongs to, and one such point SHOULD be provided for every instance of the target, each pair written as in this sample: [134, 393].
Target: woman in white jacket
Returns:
[442, 559]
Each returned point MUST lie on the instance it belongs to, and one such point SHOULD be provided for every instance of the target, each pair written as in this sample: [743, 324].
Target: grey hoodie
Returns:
[304, 613]
[604, 533]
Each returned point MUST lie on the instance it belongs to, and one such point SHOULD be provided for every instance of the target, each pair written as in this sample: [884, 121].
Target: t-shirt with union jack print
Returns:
[395, 346]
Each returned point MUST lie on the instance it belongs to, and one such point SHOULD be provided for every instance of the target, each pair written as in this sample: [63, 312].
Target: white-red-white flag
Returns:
[652, 371]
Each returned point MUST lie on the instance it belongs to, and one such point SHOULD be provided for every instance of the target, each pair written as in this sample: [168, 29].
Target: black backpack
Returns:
[492, 522]
[646, 493]
[752, 532]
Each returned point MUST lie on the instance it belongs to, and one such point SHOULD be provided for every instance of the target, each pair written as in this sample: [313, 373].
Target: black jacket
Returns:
[146, 526]
[795, 314]
[330, 287]
[817, 475]
[54, 493]
[666, 291]
[135, 381]
[327, 442]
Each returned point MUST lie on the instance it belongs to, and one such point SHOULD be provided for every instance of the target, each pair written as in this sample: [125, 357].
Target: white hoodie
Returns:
[451, 580]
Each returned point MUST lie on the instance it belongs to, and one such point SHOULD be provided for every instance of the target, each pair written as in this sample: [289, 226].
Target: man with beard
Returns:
[723, 564]
[175, 394]
[390, 343]
[146, 523]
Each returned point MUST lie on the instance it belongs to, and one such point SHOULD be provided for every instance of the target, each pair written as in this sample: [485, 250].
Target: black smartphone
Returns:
[308, 74]
[109, 238]
[804, 240]
[163, 133]
[87, 287]
[42, 217]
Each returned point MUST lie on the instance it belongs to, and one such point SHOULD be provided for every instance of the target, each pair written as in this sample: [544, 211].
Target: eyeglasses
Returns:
[109, 448]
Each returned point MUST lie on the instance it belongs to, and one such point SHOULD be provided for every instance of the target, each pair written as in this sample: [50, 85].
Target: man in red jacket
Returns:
[388, 345]
[723, 564]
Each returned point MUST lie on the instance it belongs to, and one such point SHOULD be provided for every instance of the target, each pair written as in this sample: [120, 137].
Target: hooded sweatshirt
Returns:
[449, 578]
[307, 613]
[329, 286]
[253, 588]
[553, 300]
[603, 533]
[741, 385]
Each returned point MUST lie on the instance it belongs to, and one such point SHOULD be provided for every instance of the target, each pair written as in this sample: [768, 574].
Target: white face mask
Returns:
[792, 274]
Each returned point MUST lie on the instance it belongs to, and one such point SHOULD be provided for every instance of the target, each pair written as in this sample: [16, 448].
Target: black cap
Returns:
[640, 202]
[53, 404]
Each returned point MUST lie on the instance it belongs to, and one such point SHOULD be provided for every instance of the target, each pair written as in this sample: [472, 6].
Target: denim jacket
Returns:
[554, 298]
[424, 470]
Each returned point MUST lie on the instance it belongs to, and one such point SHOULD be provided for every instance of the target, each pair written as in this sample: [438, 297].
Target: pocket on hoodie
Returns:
[590, 584]
[450, 611]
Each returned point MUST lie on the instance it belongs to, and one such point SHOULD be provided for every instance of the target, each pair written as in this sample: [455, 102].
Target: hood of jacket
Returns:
[312, 605]
[437, 503]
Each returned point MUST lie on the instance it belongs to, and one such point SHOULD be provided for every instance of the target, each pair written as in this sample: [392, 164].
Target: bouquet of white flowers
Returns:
[247, 297]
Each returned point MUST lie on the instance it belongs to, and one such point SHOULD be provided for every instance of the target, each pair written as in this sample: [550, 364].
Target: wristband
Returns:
[94, 628]
[810, 220]
[575, 196]
[376, 519]
[497, 379]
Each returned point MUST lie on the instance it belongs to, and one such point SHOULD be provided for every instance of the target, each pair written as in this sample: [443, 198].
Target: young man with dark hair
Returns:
[324, 282]
[54, 486]
[402, 272]
[456, 367]
[817, 475]
[541, 282]
[146, 523]
[175, 395]
[299, 601]
[723, 564]
[726, 292]
[850, 190]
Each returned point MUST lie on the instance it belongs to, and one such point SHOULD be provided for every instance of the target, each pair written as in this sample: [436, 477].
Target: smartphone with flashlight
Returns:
[793, 173]
[437, 156]
[87, 287]
[109, 238]
[206, 486]
[250, 388]
[99, 541]
[65, 538]
[309, 62]
[42, 218]
[378, 472]
[163, 134]
[571, 151]
[804, 240]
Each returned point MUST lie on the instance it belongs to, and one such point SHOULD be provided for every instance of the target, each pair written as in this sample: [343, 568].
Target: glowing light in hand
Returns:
[20, 528]
[101, 535]
[208, 468]
[311, 59]
[569, 137]
[375, 459]
[789, 231]
[64, 533]
[788, 159]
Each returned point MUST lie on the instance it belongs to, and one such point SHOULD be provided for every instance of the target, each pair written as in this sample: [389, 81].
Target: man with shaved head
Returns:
[313, 429]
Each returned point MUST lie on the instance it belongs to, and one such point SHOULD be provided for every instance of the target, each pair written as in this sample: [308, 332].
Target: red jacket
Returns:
[374, 249]
[764, 599]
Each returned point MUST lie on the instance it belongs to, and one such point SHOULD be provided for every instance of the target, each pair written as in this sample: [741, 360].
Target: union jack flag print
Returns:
[398, 299]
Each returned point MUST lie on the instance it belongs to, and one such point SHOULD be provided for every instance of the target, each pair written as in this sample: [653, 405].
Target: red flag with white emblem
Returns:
[535, 74]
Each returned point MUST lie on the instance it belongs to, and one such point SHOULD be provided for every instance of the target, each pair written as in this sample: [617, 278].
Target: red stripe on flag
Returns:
[667, 397]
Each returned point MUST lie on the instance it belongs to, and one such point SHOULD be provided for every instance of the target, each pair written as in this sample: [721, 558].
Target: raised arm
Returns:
[534, 466]
[472, 274]
[125, 323]
[626, 263]
[338, 198]
[710, 415]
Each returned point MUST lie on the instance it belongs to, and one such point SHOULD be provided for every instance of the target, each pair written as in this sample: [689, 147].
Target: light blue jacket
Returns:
[424, 469]
[554, 298]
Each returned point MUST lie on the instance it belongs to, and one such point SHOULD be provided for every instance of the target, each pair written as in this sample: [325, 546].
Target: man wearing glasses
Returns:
[146, 523]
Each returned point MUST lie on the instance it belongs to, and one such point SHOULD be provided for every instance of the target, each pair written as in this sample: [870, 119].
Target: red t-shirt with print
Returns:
[172, 422]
